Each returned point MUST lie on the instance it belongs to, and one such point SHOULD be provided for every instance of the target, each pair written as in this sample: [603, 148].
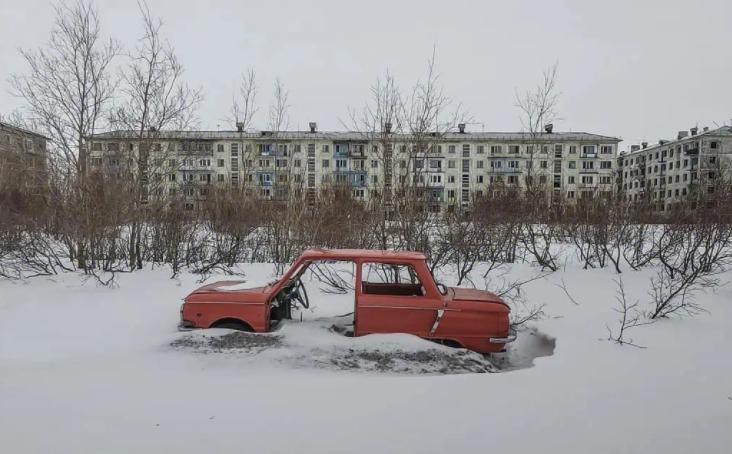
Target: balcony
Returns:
[340, 150]
[356, 178]
[266, 149]
[504, 170]
[195, 168]
[435, 195]
[265, 178]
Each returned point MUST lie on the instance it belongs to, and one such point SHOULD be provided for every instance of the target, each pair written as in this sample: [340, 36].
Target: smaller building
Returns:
[23, 158]
[673, 171]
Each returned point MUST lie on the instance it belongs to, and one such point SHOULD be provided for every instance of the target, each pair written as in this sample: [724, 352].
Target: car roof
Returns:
[353, 254]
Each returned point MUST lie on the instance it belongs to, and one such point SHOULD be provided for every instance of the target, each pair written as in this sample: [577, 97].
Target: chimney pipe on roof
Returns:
[634, 148]
[694, 130]
[706, 128]
[313, 126]
[387, 127]
[681, 135]
[549, 128]
[661, 142]
[239, 126]
[461, 128]
[644, 145]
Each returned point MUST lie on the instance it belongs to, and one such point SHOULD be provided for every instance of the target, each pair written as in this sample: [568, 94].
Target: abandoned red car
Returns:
[395, 293]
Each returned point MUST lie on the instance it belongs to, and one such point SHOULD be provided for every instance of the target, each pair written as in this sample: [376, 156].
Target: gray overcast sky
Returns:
[638, 69]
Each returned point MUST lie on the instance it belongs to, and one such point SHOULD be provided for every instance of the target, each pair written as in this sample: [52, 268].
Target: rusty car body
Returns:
[411, 302]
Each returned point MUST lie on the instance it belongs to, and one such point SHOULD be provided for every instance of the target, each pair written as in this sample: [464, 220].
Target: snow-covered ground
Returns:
[85, 368]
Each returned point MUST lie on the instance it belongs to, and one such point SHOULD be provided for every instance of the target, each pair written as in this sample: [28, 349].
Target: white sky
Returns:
[638, 69]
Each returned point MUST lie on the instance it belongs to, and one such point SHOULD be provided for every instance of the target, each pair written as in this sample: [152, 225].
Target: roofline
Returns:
[365, 135]
[711, 132]
[23, 130]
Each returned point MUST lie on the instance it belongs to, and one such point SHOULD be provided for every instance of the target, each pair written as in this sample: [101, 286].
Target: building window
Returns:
[481, 149]
[479, 164]
[606, 149]
[374, 164]
[326, 163]
[606, 165]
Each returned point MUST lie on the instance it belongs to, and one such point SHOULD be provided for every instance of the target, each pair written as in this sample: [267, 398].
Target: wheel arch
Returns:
[232, 320]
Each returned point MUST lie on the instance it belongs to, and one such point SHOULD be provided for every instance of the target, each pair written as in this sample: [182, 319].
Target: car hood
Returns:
[469, 294]
[231, 292]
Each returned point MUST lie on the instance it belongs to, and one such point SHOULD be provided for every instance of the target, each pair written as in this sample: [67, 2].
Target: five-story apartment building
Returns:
[451, 168]
[22, 157]
[678, 170]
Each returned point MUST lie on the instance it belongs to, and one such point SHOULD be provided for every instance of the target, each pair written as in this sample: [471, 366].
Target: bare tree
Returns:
[69, 85]
[278, 119]
[244, 102]
[538, 109]
[68, 89]
[630, 317]
[692, 256]
[378, 122]
[156, 98]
